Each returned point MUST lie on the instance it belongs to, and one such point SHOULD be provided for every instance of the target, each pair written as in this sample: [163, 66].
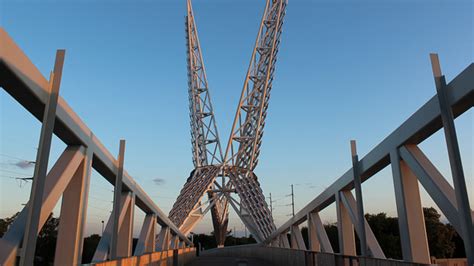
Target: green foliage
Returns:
[89, 247]
[209, 241]
[206, 241]
[443, 240]
[5, 223]
[235, 241]
[331, 230]
[387, 233]
[46, 243]
[440, 236]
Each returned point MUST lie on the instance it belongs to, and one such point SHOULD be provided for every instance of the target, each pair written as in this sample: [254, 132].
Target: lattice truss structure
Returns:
[229, 179]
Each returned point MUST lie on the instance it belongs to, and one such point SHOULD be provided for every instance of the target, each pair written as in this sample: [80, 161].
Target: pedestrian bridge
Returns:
[164, 240]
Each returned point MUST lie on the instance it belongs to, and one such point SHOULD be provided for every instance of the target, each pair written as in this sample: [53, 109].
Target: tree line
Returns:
[443, 240]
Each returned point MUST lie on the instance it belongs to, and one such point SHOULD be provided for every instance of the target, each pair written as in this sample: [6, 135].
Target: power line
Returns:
[108, 201]
[13, 157]
[13, 172]
[20, 180]
[102, 209]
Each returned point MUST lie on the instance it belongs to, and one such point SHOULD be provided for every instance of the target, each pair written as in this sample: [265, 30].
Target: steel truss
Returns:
[410, 166]
[241, 157]
[69, 177]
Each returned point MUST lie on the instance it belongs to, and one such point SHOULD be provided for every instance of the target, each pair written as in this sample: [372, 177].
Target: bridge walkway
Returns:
[227, 261]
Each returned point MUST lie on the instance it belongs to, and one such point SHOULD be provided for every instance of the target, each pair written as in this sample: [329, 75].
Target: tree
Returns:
[89, 247]
[331, 231]
[5, 223]
[440, 236]
[46, 243]
[443, 240]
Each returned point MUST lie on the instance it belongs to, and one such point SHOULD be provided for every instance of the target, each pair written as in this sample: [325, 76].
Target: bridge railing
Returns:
[331, 259]
[70, 176]
[175, 257]
[409, 166]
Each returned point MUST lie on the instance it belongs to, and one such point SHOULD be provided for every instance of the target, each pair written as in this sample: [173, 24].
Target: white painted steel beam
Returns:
[284, 243]
[146, 240]
[116, 204]
[313, 240]
[422, 124]
[23, 81]
[359, 222]
[345, 228]
[372, 243]
[454, 155]
[315, 223]
[297, 241]
[164, 237]
[410, 212]
[125, 233]
[35, 202]
[103, 248]
[174, 243]
[73, 216]
[57, 180]
[433, 181]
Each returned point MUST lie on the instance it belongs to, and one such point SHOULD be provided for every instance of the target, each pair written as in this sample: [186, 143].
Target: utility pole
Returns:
[292, 201]
[102, 229]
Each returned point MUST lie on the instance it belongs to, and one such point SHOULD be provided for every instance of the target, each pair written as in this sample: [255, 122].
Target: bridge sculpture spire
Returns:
[229, 179]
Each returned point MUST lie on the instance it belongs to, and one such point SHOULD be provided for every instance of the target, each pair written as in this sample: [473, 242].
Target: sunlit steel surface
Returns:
[237, 165]
[410, 167]
[69, 176]
[228, 179]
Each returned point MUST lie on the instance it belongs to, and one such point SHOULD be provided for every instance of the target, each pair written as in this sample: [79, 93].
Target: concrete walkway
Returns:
[227, 261]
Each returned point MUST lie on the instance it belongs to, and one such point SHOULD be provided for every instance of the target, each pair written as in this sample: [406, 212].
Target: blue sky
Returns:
[346, 70]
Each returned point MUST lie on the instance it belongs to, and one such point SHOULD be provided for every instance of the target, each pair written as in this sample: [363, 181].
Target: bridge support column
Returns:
[434, 183]
[163, 239]
[104, 246]
[313, 241]
[116, 206]
[146, 241]
[174, 244]
[284, 243]
[351, 207]
[56, 181]
[125, 234]
[345, 228]
[410, 212]
[41, 166]
[297, 241]
[73, 215]
[317, 236]
[275, 243]
[459, 181]
[360, 221]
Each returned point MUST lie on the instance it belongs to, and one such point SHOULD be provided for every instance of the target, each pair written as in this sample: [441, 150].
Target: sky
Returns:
[345, 70]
